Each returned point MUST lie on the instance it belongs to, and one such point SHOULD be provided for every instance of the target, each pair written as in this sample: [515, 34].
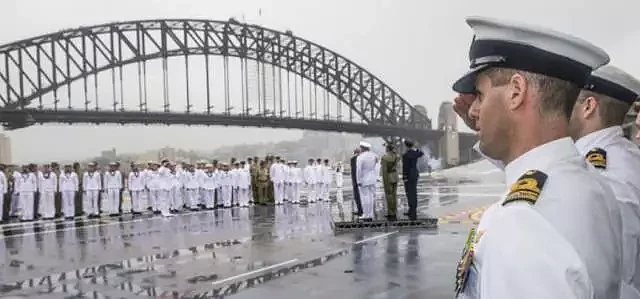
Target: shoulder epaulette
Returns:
[597, 157]
[527, 188]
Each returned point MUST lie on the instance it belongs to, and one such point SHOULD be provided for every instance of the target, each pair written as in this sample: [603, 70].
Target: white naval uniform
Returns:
[176, 190]
[367, 178]
[225, 188]
[48, 186]
[339, 176]
[319, 185]
[91, 184]
[277, 176]
[112, 186]
[235, 180]
[327, 178]
[200, 197]
[136, 183]
[166, 184]
[580, 205]
[209, 184]
[339, 183]
[296, 179]
[154, 184]
[244, 185]
[3, 190]
[192, 188]
[519, 254]
[309, 174]
[622, 166]
[68, 184]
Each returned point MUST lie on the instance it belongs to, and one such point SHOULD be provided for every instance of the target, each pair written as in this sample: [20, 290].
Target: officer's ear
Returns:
[588, 106]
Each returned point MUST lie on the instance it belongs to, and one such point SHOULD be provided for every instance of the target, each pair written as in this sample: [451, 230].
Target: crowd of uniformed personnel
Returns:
[46, 192]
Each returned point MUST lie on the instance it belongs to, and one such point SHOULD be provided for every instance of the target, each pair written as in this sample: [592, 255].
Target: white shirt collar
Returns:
[541, 158]
[600, 138]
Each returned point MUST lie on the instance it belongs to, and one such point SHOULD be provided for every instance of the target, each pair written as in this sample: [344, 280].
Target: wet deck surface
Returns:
[261, 252]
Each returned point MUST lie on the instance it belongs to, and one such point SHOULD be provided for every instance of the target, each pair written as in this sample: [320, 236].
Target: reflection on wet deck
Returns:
[220, 253]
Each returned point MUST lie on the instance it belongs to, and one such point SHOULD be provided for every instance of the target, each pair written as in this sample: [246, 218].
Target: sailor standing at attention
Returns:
[276, 174]
[136, 185]
[112, 186]
[166, 184]
[596, 126]
[367, 177]
[91, 184]
[235, 185]
[192, 187]
[225, 185]
[244, 185]
[26, 187]
[319, 174]
[209, 183]
[69, 184]
[48, 186]
[526, 82]
[309, 174]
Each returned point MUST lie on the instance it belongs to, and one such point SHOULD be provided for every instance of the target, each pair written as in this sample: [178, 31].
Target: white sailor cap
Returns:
[615, 83]
[209, 165]
[365, 144]
[528, 48]
[92, 164]
[113, 164]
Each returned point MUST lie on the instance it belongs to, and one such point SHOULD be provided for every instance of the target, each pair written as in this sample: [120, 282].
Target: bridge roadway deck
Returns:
[262, 252]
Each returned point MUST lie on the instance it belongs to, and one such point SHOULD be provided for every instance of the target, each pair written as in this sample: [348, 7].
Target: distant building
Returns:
[423, 110]
[447, 117]
[5, 149]
[109, 155]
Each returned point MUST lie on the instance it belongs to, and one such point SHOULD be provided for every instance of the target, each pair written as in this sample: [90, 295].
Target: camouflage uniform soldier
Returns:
[389, 173]
[262, 176]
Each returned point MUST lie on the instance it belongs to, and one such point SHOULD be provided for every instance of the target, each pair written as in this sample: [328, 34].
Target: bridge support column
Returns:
[449, 148]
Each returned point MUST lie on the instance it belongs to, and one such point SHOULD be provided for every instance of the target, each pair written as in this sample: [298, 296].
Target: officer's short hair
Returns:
[612, 112]
[557, 97]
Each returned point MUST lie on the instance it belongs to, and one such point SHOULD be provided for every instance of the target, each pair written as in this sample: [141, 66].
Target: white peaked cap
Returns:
[614, 82]
[499, 43]
[365, 144]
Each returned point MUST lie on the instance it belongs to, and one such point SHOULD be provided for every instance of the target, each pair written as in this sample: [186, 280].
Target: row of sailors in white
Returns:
[318, 177]
[47, 183]
[169, 188]
[578, 235]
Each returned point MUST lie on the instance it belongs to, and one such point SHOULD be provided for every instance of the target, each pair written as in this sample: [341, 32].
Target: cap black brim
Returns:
[467, 83]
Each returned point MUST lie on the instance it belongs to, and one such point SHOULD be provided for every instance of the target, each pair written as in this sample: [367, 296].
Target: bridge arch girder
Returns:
[117, 44]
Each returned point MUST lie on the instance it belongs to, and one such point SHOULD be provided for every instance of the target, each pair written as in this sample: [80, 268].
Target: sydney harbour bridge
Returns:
[202, 72]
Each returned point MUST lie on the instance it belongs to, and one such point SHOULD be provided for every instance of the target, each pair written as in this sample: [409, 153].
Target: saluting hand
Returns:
[462, 106]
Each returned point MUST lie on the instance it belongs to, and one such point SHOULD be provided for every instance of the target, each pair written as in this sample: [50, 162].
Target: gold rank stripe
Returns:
[473, 216]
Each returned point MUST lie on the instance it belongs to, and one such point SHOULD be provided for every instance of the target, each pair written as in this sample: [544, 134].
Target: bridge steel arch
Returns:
[66, 56]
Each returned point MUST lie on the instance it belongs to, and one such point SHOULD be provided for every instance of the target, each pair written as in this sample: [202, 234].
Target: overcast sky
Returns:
[417, 47]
